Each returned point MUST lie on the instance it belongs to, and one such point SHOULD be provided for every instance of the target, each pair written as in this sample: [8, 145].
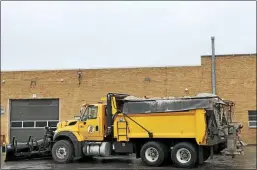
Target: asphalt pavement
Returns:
[247, 161]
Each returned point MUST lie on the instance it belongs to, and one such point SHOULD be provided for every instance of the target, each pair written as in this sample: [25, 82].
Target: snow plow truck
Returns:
[183, 130]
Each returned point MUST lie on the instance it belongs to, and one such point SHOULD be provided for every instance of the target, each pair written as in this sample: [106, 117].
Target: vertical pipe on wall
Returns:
[213, 66]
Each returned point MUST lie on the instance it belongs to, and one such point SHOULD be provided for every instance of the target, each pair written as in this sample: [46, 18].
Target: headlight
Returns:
[58, 124]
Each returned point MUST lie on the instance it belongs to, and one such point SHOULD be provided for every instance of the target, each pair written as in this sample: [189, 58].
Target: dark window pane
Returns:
[52, 123]
[16, 124]
[252, 124]
[41, 124]
[92, 112]
[252, 117]
[252, 113]
[28, 124]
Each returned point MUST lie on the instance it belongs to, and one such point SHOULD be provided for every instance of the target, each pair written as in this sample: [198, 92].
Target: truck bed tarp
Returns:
[174, 105]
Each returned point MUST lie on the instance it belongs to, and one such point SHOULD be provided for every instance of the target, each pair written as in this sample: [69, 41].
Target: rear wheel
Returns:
[63, 151]
[154, 153]
[184, 155]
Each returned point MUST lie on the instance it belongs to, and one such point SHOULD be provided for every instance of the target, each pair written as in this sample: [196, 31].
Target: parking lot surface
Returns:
[247, 161]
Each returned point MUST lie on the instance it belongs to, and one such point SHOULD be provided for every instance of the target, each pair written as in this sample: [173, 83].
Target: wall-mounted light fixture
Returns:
[2, 110]
[186, 91]
[147, 79]
[79, 75]
[33, 83]
[34, 95]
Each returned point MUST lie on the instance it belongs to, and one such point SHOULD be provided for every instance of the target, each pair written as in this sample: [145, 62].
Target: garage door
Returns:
[29, 117]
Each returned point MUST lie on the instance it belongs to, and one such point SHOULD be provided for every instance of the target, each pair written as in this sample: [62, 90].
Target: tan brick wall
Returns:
[236, 80]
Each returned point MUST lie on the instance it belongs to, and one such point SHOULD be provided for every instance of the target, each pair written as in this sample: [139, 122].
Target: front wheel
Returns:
[154, 153]
[62, 151]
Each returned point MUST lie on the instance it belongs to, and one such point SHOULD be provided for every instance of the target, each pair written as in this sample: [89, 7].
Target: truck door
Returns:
[93, 123]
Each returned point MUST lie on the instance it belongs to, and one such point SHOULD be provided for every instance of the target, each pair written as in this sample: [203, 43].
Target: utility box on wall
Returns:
[2, 110]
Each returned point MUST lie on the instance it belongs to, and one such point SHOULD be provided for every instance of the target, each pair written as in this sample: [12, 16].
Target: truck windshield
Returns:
[89, 112]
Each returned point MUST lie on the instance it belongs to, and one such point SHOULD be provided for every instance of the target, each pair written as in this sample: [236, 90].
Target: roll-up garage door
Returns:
[29, 117]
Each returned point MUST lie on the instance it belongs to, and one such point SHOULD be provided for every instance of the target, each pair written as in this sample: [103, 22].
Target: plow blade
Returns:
[31, 149]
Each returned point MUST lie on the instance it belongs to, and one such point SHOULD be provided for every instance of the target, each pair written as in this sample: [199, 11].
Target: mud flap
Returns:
[200, 155]
[212, 153]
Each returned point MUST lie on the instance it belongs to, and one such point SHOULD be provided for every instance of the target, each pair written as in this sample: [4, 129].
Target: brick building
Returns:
[235, 80]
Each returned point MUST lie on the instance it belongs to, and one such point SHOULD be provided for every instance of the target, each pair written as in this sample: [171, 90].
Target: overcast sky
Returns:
[69, 35]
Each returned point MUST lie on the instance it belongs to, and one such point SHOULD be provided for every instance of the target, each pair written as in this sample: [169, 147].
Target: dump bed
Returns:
[164, 118]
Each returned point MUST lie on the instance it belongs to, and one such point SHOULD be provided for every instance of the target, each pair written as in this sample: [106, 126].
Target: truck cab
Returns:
[93, 122]
[90, 126]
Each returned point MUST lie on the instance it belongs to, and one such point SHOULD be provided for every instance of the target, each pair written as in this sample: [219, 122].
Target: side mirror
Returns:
[81, 111]
[77, 117]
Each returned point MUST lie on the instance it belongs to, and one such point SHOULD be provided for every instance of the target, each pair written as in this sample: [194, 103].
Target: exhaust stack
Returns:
[213, 67]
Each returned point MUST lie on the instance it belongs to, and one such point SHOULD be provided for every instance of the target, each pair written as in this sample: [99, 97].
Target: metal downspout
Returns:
[213, 66]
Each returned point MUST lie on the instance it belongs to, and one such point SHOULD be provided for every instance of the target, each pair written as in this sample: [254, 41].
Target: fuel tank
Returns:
[97, 149]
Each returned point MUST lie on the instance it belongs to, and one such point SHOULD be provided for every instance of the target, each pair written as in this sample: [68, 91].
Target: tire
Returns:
[190, 153]
[62, 147]
[157, 148]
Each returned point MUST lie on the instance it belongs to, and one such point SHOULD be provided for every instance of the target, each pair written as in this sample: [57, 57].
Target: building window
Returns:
[252, 118]
[52, 123]
[41, 124]
[28, 124]
[33, 124]
[16, 124]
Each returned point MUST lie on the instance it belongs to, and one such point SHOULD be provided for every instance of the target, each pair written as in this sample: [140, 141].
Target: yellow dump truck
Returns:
[184, 130]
